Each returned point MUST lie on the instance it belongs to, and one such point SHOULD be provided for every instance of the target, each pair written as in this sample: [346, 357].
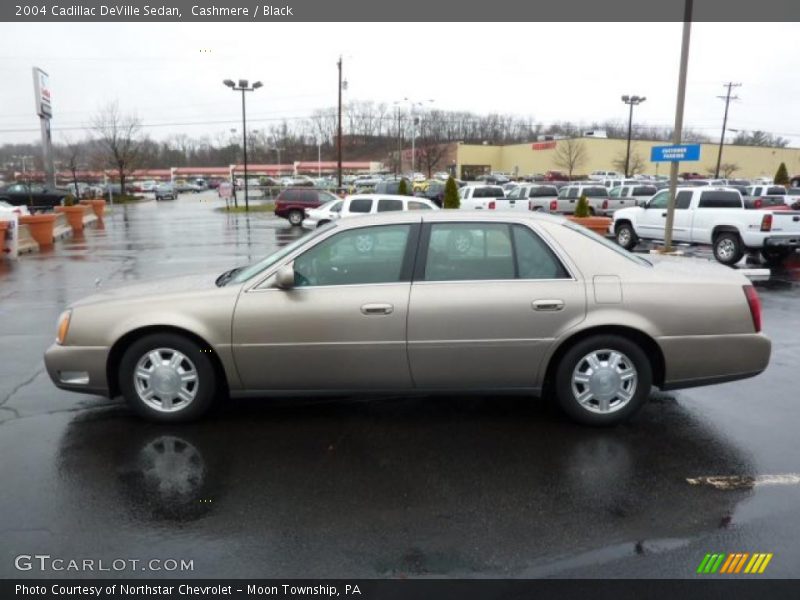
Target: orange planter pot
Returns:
[74, 216]
[98, 206]
[597, 224]
[41, 227]
[3, 229]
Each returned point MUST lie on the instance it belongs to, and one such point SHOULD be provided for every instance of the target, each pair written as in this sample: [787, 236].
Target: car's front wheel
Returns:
[603, 380]
[167, 377]
[626, 236]
[296, 217]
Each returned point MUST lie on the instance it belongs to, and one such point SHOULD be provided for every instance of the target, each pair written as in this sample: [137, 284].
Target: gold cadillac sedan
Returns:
[445, 301]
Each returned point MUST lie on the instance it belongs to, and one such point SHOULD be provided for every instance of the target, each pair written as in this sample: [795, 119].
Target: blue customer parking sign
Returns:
[684, 152]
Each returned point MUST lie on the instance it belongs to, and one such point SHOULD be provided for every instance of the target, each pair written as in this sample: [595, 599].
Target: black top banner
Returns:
[406, 11]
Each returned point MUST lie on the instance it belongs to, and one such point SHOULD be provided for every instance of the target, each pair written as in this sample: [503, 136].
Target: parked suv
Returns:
[292, 202]
[599, 201]
[392, 186]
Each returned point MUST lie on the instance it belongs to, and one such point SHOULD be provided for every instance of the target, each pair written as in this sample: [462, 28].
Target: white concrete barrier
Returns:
[61, 229]
[25, 241]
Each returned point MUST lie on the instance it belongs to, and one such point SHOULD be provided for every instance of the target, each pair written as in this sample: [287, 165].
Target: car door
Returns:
[682, 224]
[343, 324]
[654, 217]
[567, 197]
[487, 300]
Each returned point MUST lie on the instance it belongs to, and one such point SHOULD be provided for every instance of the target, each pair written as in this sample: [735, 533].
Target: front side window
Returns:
[615, 193]
[361, 205]
[683, 199]
[355, 256]
[660, 200]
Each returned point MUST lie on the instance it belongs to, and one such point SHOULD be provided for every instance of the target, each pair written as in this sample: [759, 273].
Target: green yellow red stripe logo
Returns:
[734, 562]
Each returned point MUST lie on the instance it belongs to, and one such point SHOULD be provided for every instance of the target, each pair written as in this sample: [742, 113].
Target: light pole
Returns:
[243, 87]
[630, 101]
[412, 107]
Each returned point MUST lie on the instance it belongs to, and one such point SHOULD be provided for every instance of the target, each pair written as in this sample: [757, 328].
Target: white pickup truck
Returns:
[488, 197]
[713, 216]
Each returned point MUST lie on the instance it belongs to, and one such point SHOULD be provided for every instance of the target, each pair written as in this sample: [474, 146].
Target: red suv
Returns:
[291, 203]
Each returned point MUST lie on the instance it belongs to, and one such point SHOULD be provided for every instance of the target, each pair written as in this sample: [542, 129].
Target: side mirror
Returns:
[284, 278]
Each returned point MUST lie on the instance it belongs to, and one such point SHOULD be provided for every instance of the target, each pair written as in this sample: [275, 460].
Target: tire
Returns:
[626, 236]
[728, 248]
[614, 400]
[296, 218]
[775, 256]
[174, 401]
[321, 223]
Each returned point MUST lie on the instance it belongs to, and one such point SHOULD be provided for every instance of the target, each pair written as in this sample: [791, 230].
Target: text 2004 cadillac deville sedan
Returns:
[445, 301]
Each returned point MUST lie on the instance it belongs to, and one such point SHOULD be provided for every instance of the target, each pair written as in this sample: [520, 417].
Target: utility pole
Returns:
[677, 133]
[399, 164]
[727, 97]
[339, 126]
[630, 101]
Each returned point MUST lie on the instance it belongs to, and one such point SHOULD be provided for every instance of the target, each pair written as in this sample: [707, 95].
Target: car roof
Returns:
[382, 197]
[446, 216]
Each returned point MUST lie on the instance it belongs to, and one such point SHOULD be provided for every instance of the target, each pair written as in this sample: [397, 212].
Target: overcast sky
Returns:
[549, 71]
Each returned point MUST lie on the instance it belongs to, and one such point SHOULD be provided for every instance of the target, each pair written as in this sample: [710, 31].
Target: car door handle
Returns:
[663, 214]
[551, 305]
[377, 309]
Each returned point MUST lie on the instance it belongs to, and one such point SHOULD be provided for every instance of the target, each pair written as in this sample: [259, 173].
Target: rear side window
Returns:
[776, 190]
[720, 199]
[361, 205]
[683, 199]
[534, 258]
[387, 205]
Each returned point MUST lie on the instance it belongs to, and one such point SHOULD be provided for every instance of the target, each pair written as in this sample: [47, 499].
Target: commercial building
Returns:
[600, 154]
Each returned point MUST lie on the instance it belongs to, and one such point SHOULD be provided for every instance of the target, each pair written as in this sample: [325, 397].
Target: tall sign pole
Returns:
[44, 108]
[677, 133]
[339, 130]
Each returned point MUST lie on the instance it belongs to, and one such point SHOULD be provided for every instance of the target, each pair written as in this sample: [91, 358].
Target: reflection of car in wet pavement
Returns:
[484, 486]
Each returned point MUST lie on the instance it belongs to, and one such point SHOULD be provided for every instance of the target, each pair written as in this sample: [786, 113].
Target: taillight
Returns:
[766, 222]
[758, 203]
[491, 205]
[553, 205]
[755, 305]
[605, 203]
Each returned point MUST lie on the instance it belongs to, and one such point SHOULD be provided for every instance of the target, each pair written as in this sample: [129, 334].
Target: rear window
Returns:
[594, 192]
[538, 192]
[720, 199]
[488, 192]
[776, 190]
[644, 190]
[361, 205]
[387, 205]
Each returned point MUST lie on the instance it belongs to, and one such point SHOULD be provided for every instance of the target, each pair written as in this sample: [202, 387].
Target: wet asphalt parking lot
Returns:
[384, 487]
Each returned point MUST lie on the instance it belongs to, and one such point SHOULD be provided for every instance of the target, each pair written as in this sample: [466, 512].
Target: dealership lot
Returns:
[390, 487]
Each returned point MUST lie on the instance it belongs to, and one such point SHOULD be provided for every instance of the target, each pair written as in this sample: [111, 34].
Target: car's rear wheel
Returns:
[296, 217]
[603, 380]
[167, 377]
[626, 236]
[728, 248]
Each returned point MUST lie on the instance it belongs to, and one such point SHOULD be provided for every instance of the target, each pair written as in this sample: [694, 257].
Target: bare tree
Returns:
[570, 155]
[636, 163]
[72, 154]
[119, 139]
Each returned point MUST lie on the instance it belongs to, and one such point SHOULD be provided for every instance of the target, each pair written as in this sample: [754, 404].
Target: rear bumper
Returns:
[702, 360]
[78, 368]
[782, 241]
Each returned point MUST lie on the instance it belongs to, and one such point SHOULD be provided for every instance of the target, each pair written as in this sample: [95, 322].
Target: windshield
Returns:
[244, 273]
[608, 244]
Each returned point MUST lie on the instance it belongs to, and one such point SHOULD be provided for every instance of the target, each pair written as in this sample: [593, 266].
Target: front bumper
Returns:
[78, 368]
[309, 223]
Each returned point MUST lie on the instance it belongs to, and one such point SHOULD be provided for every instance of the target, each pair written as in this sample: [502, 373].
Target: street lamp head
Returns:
[243, 83]
[229, 83]
[257, 85]
[625, 99]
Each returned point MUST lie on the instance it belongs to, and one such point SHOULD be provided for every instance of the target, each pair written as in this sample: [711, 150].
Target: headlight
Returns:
[63, 326]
